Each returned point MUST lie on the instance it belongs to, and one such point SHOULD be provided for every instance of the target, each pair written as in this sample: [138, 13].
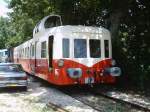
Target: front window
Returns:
[80, 48]
[66, 48]
[95, 49]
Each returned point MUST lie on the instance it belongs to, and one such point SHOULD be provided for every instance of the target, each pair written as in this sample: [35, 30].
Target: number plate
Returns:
[89, 80]
[12, 85]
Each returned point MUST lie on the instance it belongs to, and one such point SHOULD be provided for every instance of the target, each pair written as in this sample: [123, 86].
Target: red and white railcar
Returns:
[67, 55]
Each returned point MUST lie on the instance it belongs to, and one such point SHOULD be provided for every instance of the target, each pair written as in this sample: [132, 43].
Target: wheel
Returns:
[24, 88]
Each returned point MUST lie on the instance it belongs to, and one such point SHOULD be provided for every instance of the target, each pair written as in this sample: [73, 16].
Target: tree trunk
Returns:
[119, 10]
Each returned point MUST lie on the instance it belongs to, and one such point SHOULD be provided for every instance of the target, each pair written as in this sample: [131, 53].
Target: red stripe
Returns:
[59, 75]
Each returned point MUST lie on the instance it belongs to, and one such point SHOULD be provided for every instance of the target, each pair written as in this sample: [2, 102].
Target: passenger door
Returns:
[50, 52]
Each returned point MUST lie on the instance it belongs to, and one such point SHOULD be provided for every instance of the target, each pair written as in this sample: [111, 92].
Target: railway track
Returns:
[100, 100]
[123, 100]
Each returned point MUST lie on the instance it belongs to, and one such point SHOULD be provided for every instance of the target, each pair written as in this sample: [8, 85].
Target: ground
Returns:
[39, 97]
[43, 97]
[18, 100]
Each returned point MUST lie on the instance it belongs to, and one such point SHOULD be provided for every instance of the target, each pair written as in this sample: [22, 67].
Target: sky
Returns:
[3, 8]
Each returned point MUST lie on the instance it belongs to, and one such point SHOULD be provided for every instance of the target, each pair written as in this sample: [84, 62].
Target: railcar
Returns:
[68, 54]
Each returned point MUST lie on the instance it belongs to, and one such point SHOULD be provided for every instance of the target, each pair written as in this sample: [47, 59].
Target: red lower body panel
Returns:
[59, 76]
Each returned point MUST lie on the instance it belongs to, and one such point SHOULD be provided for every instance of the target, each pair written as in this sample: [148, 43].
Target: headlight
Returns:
[74, 72]
[113, 62]
[113, 71]
[60, 63]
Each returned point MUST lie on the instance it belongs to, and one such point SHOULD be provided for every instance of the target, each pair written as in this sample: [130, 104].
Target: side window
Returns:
[19, 53]
[36, 30]
[0, 54]
[37, 27]
[66, 46]
[32, 50]
[43, 49]
[6, 52]
[28, 54]
[23, 52]
[106, 46]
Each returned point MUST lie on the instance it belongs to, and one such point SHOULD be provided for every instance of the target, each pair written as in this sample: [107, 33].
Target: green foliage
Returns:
[5, 31]
[14, 41]
[25, 15]
[134, 38]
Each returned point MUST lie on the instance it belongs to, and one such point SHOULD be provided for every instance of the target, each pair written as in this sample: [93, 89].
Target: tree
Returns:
[135, 42]
[5, 31]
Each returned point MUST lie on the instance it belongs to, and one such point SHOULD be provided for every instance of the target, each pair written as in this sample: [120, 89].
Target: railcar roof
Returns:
[26, 42]
[9, 64]
[78, 29]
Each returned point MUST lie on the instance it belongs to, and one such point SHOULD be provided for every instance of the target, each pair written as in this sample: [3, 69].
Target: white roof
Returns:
[79, 29]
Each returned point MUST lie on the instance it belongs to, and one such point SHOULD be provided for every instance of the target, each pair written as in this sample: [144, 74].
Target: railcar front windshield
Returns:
[85, 48]
[95, 49]
[80, 48]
